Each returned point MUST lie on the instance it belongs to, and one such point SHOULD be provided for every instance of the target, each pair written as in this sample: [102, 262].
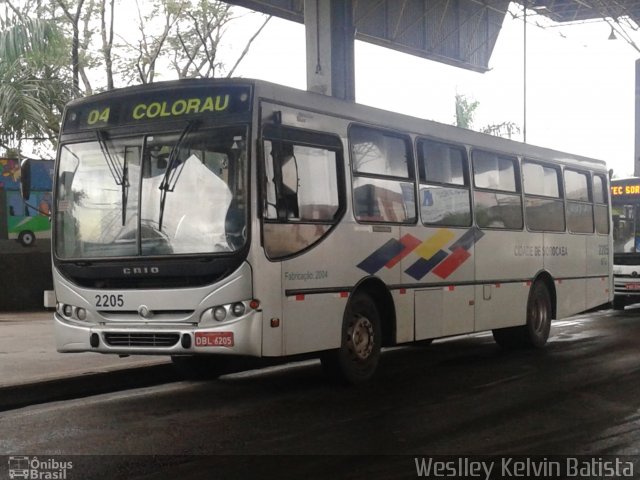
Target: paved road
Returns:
[581, 395]
[28, 353]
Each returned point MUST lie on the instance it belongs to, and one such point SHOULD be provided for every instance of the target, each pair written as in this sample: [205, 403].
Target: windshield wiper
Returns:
[120, 173]
[171, 174]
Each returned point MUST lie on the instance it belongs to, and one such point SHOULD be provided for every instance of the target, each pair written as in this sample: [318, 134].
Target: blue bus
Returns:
[18, 220]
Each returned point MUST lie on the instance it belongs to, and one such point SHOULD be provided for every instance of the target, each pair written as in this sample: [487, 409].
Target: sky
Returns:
[580, 84]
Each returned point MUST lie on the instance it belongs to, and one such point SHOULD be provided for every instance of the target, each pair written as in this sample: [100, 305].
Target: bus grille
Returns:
[141, 339]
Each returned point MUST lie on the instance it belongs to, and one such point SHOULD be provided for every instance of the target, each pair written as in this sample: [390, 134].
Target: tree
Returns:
[54, 50]
[32, 89]
[106, 33]
[465, 111]
[504, 129]
[184, 35]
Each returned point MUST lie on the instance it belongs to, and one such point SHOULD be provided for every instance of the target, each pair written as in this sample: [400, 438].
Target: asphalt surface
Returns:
[32, 371]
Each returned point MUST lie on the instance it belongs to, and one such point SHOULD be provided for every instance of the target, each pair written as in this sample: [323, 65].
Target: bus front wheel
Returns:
[357, 358]
[535, 332]
[26, 238]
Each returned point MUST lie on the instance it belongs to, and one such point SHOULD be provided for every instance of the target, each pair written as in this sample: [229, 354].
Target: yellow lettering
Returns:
[163, 110]
[96, 116]
[153, 110]
[105, 114]
[93, 117]
[179, 107]
[139, 111]
[226, 103]
[193, 106]
[208, 105]
[182, 106]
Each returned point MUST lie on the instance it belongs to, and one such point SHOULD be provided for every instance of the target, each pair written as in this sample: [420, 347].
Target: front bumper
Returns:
[158, 339]
[627, 286]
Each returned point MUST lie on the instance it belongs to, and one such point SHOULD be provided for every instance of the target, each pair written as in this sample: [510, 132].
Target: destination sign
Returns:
[625, 190]
[157, 106]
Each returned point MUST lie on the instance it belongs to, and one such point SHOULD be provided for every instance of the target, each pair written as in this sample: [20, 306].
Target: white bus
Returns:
[208, 218]
[625, 207]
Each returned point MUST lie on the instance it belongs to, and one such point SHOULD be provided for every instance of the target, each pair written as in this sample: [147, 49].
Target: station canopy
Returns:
[458, 32]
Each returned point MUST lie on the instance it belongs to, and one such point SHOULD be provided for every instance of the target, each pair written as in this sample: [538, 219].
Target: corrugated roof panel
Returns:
[460, 32]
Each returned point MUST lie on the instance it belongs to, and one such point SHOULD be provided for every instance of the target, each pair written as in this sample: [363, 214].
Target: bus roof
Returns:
[126, 99]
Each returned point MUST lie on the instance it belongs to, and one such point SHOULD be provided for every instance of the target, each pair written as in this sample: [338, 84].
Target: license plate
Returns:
[214, 339]
[633, 286]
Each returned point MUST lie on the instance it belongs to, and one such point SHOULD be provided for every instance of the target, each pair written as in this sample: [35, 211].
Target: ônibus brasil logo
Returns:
[33, 468]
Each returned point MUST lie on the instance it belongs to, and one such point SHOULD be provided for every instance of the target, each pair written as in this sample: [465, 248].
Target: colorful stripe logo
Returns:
[433, 257]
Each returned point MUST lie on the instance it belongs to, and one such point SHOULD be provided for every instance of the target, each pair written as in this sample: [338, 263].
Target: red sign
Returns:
[633, 286]
[214, 339]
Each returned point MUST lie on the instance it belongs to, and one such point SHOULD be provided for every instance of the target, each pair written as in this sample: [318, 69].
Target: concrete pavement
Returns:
[32, 371]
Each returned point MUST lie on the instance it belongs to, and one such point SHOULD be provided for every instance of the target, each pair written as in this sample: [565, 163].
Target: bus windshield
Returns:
[150, 195]
[624, 229]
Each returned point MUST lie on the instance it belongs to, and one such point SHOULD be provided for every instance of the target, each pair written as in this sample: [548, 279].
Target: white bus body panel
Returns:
[73, 335]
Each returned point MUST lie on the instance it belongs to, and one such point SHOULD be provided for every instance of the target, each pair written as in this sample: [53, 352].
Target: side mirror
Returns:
[25, 179]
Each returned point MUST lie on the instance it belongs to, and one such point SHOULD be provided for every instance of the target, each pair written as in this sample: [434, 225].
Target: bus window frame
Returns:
[590, 202]
[302, 137]
[518, 187]
[422, 178]
[410, 179]
[560, 197]
[606, 185]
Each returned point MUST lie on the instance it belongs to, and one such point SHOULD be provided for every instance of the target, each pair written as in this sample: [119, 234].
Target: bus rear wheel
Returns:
[535, 332]
[357, 358]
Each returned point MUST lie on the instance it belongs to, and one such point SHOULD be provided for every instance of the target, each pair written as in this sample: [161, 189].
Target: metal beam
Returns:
[330, 48]
[636, 162]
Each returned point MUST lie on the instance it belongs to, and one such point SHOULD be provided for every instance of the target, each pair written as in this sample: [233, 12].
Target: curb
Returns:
[67, 388]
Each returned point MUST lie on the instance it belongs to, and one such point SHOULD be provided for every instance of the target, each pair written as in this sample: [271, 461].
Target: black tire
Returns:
[26, 238]
[357, 358]
[535, 333]
[205, 367]
[619, 302]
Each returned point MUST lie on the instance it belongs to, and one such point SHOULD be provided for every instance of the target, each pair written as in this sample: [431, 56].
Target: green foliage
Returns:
[54, 50]
[504, 129]
[32, 88]
[465, 110]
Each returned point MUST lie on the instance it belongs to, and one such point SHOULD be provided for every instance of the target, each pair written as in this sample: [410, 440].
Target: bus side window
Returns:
[287, 201]
[282, 180]
[601, 207]
[579, 206]
[383, 176]
[444, 184]
[302, 191]
[544, 204]
[497, 199]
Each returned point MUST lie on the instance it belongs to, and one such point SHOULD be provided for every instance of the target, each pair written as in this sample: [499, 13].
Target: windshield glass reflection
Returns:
[199, 209]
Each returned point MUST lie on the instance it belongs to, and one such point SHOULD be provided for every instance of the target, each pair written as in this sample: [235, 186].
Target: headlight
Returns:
[220, 313]
[238, 309]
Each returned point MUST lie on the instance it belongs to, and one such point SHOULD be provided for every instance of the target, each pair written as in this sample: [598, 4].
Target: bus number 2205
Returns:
[110, 300]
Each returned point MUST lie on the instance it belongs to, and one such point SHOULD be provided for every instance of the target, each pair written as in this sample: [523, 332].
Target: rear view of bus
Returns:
[625, 200]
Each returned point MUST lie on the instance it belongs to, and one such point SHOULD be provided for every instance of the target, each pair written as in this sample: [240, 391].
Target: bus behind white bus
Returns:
[625, 203]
